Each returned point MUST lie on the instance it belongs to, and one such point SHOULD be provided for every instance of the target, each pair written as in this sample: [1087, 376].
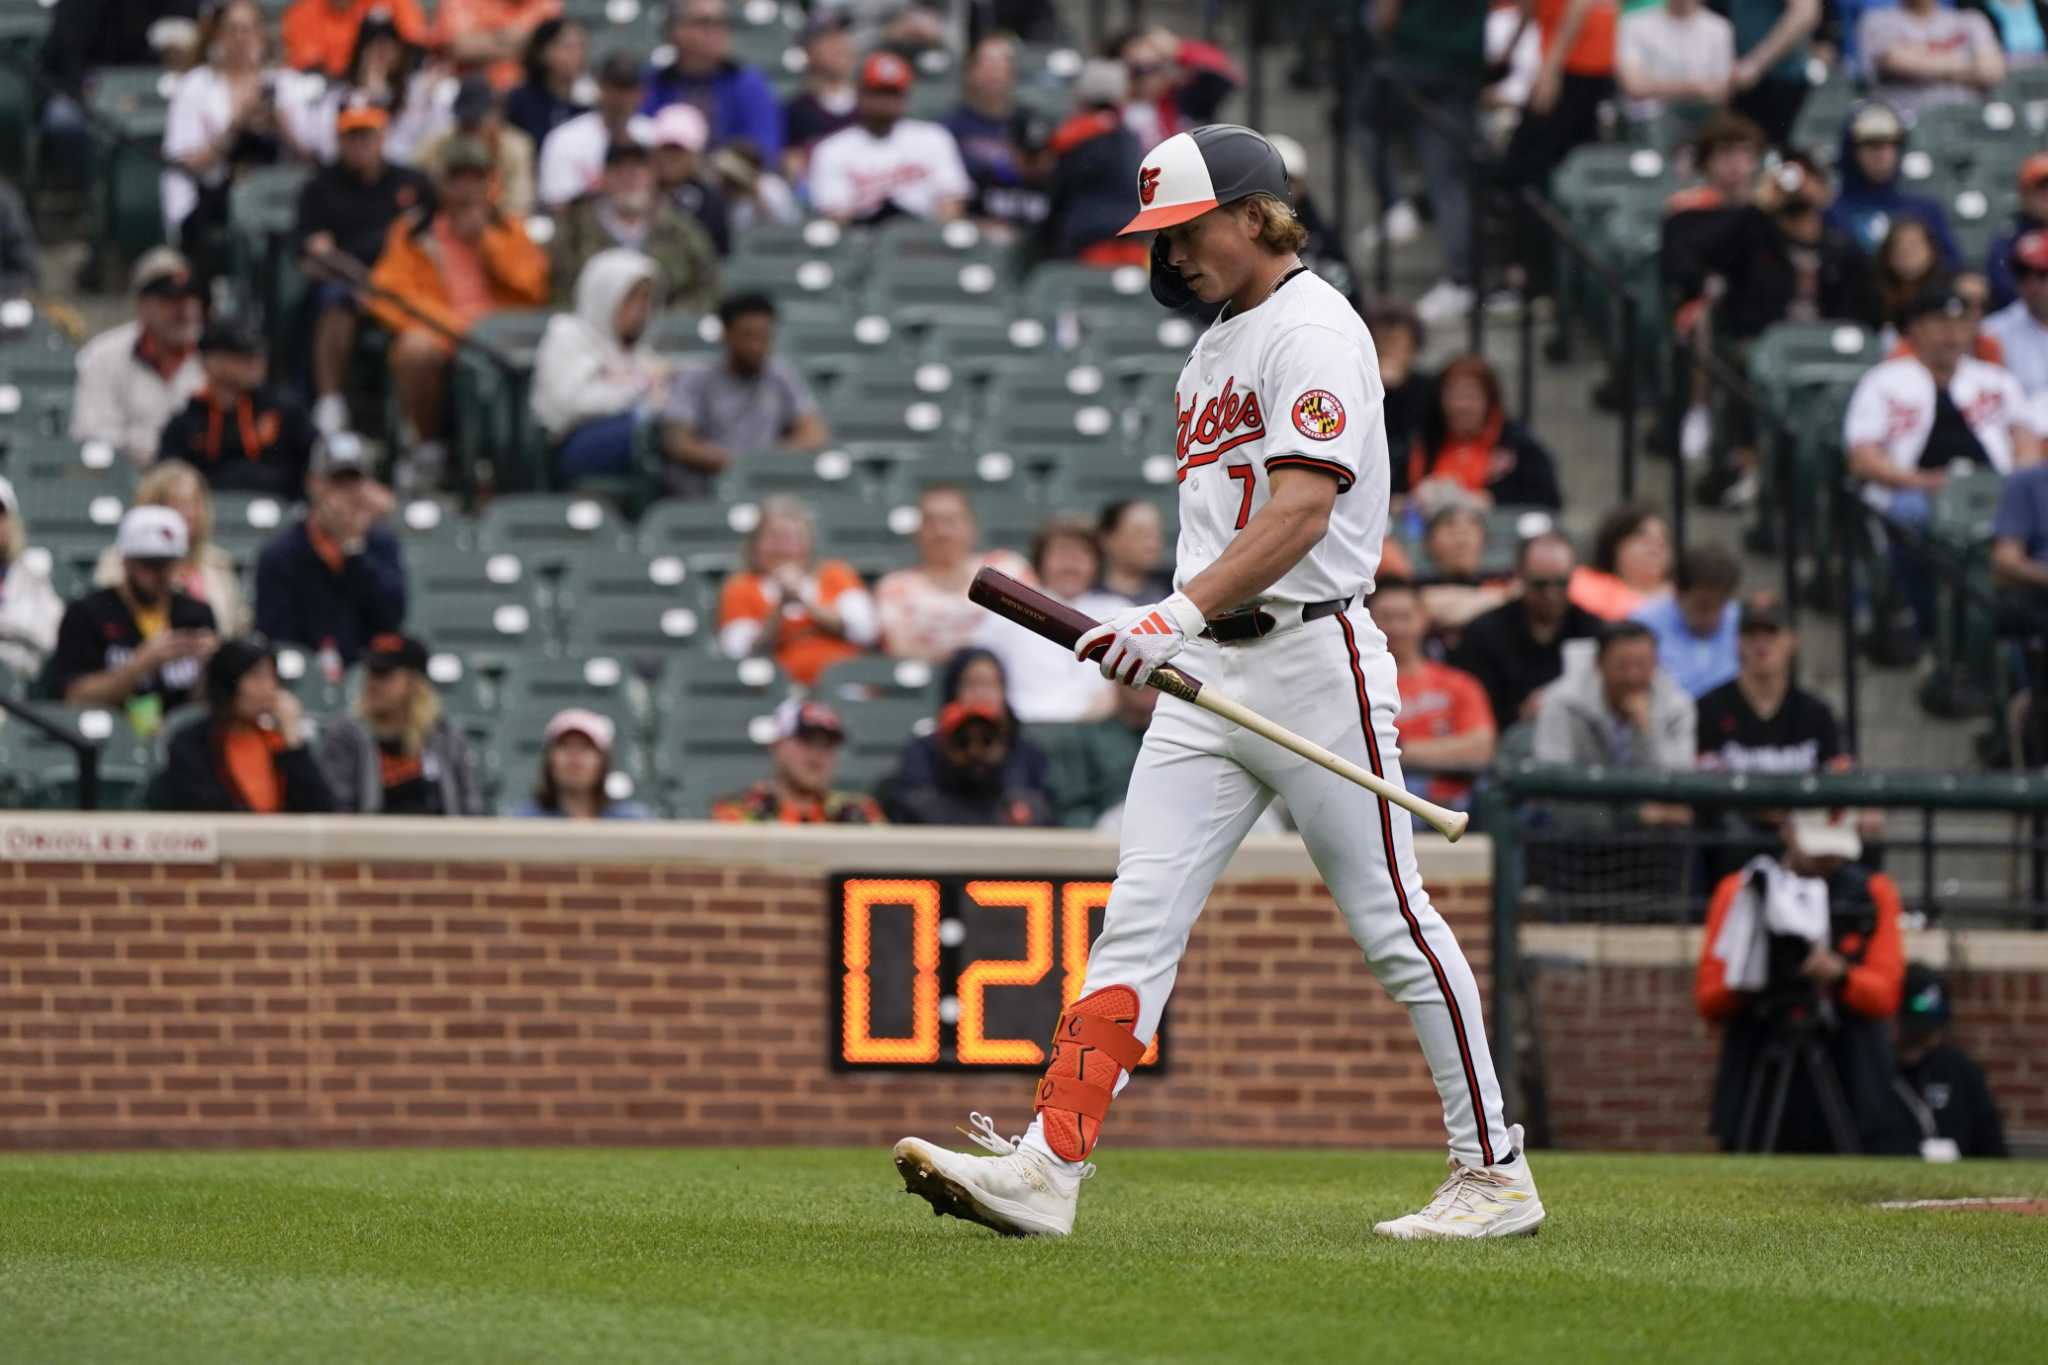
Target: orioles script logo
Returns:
[1224, 422]
[1148, 184]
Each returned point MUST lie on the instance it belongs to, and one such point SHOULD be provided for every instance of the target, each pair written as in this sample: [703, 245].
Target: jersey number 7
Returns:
[1244, 508]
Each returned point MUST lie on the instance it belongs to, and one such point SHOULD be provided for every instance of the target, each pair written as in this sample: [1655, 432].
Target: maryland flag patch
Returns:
[1318, 415]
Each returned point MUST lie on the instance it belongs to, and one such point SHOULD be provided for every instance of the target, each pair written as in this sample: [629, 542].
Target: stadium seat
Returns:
[488, 636]
[596, 682]
[546, 530]
[708, 709]
[684, 337]
[883, 703]
[926, 290]
[1063, 287]
[38, 771]
[644, 632]
[489, 399]
[979, 348]
[243, 523]
[72, 509]
[707, 533]
[1795, 357]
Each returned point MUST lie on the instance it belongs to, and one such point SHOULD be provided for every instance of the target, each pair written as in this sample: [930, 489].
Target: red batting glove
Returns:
[1137, 641]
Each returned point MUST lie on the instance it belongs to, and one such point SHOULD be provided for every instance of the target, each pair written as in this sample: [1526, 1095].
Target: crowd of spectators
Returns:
[498, 157]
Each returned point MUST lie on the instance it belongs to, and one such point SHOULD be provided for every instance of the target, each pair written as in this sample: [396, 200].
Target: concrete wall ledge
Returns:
[795, 848]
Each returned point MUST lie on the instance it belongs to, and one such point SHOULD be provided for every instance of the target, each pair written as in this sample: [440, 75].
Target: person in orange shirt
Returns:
[1446, 722]
[1758, 985]
[1631, 565]
[449, 266]
[490, 35]
[249, 754]
[1564, 108]
[320, 35]
[807, 616]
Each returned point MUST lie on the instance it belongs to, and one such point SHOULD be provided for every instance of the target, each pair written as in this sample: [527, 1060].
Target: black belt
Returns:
[1258, 623]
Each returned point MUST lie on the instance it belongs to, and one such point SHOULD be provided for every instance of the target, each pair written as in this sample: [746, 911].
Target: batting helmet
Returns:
[1189, 174]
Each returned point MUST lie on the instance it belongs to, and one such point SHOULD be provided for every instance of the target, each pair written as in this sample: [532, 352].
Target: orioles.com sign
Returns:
[39, 842]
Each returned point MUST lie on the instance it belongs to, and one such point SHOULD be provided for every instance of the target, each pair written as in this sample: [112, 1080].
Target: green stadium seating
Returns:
[926, 290]
[643, 631]
[979, 348]
[712, 711]
[596, 682]
[39, 772]
[1062, 287]
[706, 532]
[495, 425]
[1793, 358]
[243, 523]
[546, 530]
[71, 508]
[487, 635]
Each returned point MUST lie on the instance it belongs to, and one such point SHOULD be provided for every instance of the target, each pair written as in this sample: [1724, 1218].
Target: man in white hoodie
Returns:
[594, 379]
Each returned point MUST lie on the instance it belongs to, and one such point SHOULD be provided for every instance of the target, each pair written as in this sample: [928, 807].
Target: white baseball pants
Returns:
[1199, 784]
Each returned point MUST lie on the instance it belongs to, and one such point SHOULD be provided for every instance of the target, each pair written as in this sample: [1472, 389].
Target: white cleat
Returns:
[1477, 1201]
[1018, 1192]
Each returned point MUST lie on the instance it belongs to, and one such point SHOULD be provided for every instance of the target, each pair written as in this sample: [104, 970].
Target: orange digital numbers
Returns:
[948, 984]
[1035, 900]
[859, 901]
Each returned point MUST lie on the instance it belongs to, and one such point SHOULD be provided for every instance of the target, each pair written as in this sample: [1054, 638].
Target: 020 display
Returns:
[959, 973]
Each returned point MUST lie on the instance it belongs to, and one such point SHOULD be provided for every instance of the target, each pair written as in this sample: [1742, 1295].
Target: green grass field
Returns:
[814, 1255]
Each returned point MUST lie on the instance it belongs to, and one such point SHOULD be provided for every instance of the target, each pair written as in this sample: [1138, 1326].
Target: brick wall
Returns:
[329, 982]
[1630, 1065]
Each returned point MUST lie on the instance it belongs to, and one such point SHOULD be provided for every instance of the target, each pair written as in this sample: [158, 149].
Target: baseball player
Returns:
[1282, 456]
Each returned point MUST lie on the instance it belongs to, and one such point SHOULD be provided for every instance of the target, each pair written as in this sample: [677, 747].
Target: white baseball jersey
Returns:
[1893, 407]
[1294, 382]
[916, 166]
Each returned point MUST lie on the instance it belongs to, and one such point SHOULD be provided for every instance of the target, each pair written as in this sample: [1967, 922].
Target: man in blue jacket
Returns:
[335, 579]
[1873, 149]
[737, 100]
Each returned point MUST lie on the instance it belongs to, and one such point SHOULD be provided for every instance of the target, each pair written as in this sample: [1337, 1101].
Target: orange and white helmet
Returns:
[1191, 173]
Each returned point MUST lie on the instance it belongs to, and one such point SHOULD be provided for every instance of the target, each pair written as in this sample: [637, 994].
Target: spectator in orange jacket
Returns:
[453, 267]
[320, 35]
[1760, 983]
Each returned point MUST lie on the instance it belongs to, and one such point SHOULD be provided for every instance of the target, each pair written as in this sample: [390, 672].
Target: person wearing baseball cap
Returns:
[1196, 257]
[804, 757]
[736, 96]
[2032, 217]
[576, 777]
[976, 767]
[1916, 418]
[1760, 721]
[478, 114]
[240, 433]
[681, 176]
[141, 643]
[444, 268]
[345, 212]
[1094, 162]
[627, 211]
[1942, 1088]
[884, 165]
[2021, 327]
[396, 753]
[334, 580]
[1873, 194]
[248, 754]
[30, 609]
[133, 377]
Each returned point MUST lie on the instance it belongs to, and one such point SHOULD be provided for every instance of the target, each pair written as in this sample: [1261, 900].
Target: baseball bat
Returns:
[1062, 625]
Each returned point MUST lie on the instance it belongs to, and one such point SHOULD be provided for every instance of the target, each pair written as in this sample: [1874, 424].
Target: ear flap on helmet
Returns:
[1167, 286]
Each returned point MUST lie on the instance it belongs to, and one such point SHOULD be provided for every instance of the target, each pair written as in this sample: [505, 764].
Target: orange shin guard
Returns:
[1092, 1047]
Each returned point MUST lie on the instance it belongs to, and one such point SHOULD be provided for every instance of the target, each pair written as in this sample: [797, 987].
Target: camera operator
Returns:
[1803, 958]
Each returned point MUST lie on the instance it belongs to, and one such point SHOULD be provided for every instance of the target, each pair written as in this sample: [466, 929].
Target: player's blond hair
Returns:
[1280, 232]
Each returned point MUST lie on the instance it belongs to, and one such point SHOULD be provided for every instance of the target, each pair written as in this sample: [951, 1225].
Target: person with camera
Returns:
[1802, 965]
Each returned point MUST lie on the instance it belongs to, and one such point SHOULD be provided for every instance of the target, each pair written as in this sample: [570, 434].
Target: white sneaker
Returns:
[1019, 1192]
[1477, 1201]
[1402, 223]
[1695, 433]
[1446, 301]
[330, 414]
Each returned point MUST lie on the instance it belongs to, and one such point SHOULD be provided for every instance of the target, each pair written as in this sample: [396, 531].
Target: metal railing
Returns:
[1959, 865]
[86, 751]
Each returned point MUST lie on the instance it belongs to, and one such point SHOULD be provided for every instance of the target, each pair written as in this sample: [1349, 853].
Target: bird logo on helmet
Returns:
[1189, 174]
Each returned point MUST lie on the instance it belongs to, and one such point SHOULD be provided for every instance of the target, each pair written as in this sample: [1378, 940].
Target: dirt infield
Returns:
[1987, 1204]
